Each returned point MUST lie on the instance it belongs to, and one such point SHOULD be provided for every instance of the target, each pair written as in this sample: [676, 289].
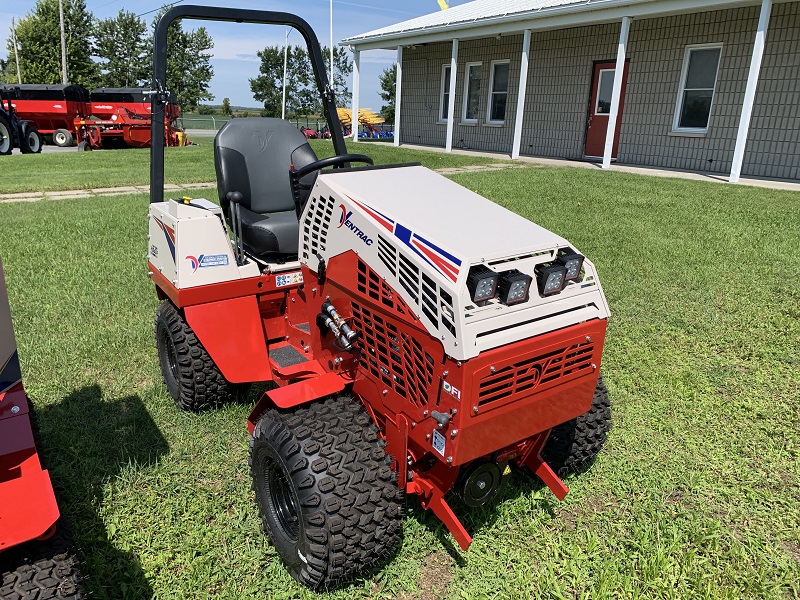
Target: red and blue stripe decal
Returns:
[438, 258]
[169, 233]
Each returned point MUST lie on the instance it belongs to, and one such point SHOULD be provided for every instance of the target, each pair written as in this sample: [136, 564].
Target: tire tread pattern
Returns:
[201, 385]
[350, 502]
[573, 446]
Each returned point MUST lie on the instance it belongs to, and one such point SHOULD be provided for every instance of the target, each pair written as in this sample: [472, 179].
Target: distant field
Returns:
[190, 164]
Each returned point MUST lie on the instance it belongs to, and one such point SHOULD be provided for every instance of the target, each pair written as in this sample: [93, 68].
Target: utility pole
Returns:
[285, 61]
[331, 82]
[64, 75]
[16, 50]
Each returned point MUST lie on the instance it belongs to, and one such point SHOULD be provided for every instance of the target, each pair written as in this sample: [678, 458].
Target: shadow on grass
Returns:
[88, 441]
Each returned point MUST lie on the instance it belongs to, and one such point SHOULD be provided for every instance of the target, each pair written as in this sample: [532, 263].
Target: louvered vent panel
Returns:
[316, 225]
[388, 255]
[393, 358]
[521, 378]
[375, 287]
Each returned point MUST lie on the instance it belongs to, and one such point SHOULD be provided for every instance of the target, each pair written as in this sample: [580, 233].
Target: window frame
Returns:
[687, 54]
[465, 101]
[442, 105]
[599, 84]
[489, 120]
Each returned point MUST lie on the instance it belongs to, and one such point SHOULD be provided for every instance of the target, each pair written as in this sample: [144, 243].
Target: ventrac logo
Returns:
[207, 260]
[344, 220]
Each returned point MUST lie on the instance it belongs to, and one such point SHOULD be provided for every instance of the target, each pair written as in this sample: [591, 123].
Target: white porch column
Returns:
[750, 91]
[451, 104]
[523, 86]
[619, 72]
[398, 88]
[356, 84]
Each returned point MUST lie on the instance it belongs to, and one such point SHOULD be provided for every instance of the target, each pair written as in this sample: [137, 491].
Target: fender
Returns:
[229, 330]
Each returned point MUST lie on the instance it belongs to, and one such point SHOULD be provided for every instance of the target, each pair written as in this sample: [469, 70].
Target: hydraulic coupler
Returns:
[330, 319]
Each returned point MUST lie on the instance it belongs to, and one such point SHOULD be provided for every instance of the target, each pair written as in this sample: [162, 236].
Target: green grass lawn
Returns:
[697, 494]
[190, 164]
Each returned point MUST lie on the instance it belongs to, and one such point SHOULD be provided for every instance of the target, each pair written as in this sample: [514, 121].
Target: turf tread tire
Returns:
[30, 140]
[41, 570]
[199, 384]
[6, 137]
[573, 446]
[350, 505]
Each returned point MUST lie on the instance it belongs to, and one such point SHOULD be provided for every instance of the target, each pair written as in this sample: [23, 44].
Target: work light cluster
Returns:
[513, 287]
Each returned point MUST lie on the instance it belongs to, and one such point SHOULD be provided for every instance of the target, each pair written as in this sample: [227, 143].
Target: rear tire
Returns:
[63, 138]
[30, 141]
[6, 141]
[41, 569]
[326, 493]
[573, 446]
[192, 378]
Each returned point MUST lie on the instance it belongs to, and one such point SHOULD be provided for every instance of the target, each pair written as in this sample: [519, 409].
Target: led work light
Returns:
[513, 287]
[481, 283]
[572, 261]
[551, 278]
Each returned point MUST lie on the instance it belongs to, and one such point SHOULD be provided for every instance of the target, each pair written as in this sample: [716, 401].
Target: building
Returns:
[709, 85]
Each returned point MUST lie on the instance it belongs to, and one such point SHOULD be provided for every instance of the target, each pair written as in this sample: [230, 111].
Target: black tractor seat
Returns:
[253, 156]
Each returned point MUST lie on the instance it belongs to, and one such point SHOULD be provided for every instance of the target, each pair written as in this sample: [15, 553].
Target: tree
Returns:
[226, 107]
[342, 70]
[302, 95]
[39, 38]
[123, 45]
[268, 86]
[189, 69]
[388, 81]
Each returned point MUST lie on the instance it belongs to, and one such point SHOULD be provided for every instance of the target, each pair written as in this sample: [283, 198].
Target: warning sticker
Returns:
[295, 278]
[438, 442]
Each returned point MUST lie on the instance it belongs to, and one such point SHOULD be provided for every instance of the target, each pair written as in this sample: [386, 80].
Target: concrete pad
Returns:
[69, 196]
[25, 199]
[115, 190]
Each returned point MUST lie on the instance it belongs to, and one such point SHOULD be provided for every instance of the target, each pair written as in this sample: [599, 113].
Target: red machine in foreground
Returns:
[33, 564]
[70, 114]
[423, 340]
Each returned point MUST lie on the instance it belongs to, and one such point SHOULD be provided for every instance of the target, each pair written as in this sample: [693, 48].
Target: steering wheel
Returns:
[331, 162]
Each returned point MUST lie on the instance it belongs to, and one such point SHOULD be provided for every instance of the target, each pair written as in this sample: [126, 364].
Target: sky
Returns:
[235, 45]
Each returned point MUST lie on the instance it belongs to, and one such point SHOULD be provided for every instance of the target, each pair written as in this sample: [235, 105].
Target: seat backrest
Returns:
[253, 156]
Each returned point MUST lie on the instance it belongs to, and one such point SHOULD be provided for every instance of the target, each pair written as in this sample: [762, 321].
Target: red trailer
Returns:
[124, 114]
[53, 108]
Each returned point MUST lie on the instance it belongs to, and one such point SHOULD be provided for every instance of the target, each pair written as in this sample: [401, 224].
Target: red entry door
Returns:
[600, 107]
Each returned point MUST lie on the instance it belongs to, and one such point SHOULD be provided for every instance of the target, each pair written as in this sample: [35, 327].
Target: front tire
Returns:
[192, 378]
[327, 496]
[573, 446]
[30, 141]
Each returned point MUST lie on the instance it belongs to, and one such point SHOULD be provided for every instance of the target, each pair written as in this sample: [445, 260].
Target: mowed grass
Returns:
[696, 495]
[191, 164]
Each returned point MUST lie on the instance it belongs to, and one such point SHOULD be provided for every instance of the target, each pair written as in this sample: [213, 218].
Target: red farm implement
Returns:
[116, 116]
[35, 559]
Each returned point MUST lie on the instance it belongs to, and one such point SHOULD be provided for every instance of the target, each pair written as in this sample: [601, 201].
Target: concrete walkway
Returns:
[169, 187]
[521, 163]
[775, 184]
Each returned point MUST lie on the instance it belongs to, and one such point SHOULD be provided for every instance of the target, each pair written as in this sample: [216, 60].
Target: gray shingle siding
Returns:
[560, 73]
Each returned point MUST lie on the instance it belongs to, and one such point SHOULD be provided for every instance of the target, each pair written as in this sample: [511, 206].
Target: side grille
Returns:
[521, 378]
[373, 286]
[394, 358]
[316, 224]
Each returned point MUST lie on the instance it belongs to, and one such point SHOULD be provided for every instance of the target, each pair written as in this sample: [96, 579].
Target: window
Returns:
[444, 95]
[498, 92]
[605, 89]
[472, 93]
[698, 80]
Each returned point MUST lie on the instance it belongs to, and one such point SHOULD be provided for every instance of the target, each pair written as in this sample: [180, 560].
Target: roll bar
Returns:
[236, 15]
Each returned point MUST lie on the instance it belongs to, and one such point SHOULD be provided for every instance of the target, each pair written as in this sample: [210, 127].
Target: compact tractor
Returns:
[36, 560]
[422, 340]
[16, 132]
